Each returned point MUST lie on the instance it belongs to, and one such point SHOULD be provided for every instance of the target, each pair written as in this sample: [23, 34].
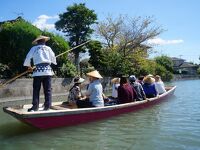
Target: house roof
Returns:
[175, 59]
[187, 65]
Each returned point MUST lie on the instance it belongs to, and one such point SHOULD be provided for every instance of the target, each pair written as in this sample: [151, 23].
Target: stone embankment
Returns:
[20, 91]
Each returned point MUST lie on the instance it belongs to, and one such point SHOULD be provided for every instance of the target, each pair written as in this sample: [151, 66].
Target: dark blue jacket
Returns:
[150, 90]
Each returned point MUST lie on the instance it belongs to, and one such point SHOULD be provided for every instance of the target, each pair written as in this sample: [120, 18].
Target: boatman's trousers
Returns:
[46, 82]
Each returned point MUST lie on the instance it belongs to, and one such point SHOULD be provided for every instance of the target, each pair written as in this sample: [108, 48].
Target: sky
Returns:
[179, 19]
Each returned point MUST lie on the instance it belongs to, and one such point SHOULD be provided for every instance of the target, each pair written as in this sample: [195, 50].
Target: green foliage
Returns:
[198, 71]
[76, 24]
[68, 70]
[16, 40]
[4, 71]
[164, 67]
[96, 55]
[165, 62]
[163, 72]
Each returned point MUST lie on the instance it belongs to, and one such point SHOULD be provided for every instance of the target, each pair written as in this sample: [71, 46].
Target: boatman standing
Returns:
[43, 57]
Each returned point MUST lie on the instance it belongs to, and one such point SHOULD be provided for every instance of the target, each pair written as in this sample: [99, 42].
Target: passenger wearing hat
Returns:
[43, 57]
[137, 87]
[149, 87]
[75, 93]
[95, 90]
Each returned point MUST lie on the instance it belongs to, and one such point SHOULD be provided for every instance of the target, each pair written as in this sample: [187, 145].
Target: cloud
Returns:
[159, 41]
[42, 22]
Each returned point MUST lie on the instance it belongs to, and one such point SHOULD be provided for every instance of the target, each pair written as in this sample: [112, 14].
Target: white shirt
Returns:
[41, 54]
[160, 87]
[114, 90]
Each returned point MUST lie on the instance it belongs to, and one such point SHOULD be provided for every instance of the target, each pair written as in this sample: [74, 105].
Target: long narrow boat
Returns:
[59, 115]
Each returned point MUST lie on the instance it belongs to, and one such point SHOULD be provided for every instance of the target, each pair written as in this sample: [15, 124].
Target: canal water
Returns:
[174, 124]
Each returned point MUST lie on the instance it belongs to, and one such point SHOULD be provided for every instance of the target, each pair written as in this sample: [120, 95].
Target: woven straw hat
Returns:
[46, 38]
[149, 80]
[94, 74]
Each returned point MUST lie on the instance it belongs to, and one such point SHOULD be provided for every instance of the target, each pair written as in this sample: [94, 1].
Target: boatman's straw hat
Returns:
[41, 37]
[94, 74]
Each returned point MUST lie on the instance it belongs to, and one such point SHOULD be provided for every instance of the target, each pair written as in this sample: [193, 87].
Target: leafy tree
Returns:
[15, 42]
[165, 62]
[127, 34]
[96, 55]
[76, 24]
[68, 70]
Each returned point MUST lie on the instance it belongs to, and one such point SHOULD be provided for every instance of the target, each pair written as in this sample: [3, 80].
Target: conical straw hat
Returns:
[46, 38]
[95, 74]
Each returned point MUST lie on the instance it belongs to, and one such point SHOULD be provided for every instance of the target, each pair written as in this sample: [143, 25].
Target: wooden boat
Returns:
[59, 115]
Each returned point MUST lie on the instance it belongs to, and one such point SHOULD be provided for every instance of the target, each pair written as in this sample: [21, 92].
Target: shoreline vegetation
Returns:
[121, 49]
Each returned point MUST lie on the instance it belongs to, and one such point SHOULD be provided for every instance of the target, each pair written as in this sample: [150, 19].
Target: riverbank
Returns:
[20, 91]
[185, 77]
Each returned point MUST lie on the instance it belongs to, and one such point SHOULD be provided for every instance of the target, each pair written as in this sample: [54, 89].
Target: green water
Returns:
[172, 125]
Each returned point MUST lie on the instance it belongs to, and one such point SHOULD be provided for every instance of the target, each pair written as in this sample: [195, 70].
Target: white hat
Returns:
[115, 80]
[78, 80]
[46, 38]
[95, 74]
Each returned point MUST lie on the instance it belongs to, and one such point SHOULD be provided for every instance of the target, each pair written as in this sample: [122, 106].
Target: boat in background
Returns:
[59, 115]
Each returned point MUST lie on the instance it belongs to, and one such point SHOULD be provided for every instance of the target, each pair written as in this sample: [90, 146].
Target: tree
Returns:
[164, 67]
[125, 39]
[96, 55]
[166, 62]
[15, 42]
[76, 24]
[127, 34]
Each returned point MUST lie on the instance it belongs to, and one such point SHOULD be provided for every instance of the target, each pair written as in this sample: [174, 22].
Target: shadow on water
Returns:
[12, 129]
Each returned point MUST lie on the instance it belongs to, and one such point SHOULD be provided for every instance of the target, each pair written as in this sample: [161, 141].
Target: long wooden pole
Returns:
[27, 71]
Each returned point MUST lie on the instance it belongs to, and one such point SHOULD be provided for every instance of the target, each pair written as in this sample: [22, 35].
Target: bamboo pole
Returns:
[27, 71]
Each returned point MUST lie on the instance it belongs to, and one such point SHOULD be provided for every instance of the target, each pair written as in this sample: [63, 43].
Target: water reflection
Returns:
[12, 129]
[173, 124]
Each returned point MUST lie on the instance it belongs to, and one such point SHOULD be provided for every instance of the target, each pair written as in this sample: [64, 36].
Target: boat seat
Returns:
[59, 107]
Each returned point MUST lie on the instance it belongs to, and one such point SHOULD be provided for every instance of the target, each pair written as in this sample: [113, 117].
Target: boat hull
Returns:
[73, 117]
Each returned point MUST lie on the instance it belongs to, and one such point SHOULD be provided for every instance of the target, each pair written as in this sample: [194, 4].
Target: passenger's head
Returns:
[123, 80]
[157, 78]
[94, 75]
[115, 80]
[132, 78]
[78, 80]
[148, 80]
[141, 78]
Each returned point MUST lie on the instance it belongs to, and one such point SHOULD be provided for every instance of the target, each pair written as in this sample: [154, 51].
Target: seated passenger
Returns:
[140, 80]
[159, 85]
[140, 95]
[125, 92]
[115, 85]
[75, 92]
[149, 87]
[95, 90]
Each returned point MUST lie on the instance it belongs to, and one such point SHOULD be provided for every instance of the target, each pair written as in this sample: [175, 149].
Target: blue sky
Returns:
[180, 19]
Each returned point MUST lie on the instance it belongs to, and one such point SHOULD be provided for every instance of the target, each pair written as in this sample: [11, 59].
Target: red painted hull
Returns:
[66, 118]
